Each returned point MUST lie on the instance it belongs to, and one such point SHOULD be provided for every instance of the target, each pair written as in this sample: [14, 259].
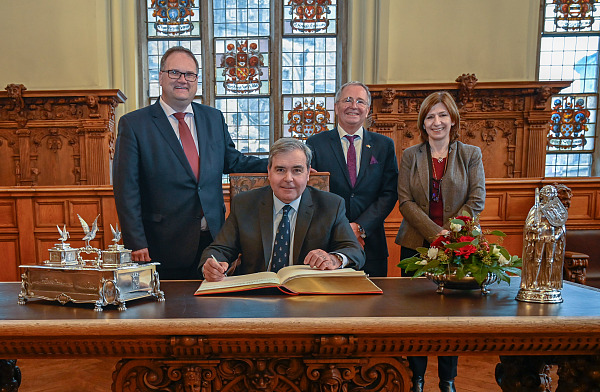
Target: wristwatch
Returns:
[340, 258]
[363, 235]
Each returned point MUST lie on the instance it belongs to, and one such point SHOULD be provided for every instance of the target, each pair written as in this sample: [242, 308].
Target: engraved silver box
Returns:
[111, 278]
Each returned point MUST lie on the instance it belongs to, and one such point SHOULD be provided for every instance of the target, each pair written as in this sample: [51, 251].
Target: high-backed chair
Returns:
[242, 182]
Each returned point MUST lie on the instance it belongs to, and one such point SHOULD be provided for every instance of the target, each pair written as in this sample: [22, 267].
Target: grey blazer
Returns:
[463, 189]
[321, 224]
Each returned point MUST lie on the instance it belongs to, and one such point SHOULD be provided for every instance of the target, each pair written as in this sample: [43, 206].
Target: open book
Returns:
[296, 279]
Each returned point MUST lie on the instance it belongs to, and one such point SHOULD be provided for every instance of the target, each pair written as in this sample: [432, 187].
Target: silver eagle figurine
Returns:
[116, 233]
[64, 234]
[90, 234]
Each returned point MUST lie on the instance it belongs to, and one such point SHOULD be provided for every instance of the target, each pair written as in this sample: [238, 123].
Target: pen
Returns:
[213, 256]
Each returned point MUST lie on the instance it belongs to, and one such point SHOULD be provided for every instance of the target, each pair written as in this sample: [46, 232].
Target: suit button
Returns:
[352, 195]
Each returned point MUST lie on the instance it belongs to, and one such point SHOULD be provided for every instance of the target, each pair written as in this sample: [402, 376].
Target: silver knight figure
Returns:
[544, 248]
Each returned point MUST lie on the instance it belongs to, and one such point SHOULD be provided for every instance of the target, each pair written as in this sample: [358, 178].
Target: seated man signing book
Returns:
[283, 224]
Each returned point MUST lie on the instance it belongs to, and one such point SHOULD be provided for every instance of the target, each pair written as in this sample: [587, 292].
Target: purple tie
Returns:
[351, 159]
[187, 142]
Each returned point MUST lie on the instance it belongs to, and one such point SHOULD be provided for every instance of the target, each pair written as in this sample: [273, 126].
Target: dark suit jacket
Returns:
[463, 189]
[158, 199]
[321, 223]
[374, 194]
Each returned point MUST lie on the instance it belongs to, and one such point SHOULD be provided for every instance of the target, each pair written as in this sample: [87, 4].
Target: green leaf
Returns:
[457, 245]
[498, 233]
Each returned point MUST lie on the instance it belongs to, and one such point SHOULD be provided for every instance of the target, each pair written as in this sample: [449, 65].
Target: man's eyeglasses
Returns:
[174, 74]
[435, 190]
[350, 101]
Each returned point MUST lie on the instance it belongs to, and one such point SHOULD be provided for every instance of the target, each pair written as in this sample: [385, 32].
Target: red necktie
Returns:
[351, 159]
[189, 147]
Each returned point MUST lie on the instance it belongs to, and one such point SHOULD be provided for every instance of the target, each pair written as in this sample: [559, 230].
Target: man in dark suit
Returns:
[364, 171]
[310, 225]
[167, 172]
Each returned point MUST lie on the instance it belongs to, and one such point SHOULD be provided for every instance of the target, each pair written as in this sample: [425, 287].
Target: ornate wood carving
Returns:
[264, 375]
[56, 137]
[507, 120]
[241, 182]
[10, 375]
[575, 266]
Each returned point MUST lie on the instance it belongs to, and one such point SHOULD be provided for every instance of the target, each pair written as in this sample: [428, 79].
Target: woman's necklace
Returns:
[440, 160]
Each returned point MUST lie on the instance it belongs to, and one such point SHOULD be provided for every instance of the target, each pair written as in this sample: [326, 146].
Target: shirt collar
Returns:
[343, 133]
[278, 204]
[169, 110]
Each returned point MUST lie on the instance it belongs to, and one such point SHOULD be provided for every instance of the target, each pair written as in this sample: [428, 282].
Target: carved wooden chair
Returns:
[242, 182]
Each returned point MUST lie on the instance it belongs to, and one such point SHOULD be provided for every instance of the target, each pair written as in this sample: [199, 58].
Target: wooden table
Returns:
[305, 343]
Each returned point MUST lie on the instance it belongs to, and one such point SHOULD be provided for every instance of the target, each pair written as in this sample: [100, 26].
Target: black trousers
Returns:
[190, 272]
[446, 364]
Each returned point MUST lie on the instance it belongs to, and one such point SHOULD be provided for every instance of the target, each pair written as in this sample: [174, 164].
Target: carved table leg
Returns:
[10, 375]
[523, 374]
[578, 373]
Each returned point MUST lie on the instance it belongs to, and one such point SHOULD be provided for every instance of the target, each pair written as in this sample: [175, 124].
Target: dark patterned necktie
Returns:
[187, 142]
[351, 159]
[281, 247]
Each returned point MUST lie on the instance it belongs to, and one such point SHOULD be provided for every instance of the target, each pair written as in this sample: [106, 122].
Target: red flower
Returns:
[466, 250]
[463, 218]
[465, 238]
[439, 242]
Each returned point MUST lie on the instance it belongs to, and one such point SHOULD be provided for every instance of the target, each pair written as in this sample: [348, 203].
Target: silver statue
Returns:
[544, 248]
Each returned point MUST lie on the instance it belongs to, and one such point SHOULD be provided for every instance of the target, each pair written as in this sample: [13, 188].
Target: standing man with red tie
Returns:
[167, 172]
[364, 171]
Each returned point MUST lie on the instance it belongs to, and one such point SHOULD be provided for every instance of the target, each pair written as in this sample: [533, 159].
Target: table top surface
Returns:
[405, 303]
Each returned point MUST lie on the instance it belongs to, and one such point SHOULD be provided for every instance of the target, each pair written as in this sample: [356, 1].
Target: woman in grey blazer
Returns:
[439, 179]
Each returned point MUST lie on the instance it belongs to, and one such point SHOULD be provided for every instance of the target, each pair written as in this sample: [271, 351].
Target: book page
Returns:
[255, 279]
[300, 271]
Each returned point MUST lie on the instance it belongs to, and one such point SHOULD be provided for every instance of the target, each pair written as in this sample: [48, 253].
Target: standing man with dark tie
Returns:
[364, 171]
[167, 172]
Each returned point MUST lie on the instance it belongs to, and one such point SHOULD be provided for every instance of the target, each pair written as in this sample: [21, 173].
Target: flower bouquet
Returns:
[462, 253]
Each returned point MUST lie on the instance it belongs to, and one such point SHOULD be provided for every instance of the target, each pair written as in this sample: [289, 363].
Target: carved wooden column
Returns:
[509, 121]
[56, 137]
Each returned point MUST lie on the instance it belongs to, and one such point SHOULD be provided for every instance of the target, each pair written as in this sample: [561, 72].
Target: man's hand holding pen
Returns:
[215, 271]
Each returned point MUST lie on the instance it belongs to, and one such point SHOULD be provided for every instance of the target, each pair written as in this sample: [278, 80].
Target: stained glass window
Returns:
[569, 51]
[309, 66]
[259, 60]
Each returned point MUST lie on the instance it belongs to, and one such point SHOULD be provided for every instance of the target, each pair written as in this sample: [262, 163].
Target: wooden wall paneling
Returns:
[9, 251]
[26, 230]
[507, 120]
[56, 137]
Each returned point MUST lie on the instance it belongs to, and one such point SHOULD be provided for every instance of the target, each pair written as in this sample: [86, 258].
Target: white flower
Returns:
[495, 251]
[503, 260]
[432, 253]
[476, 231]
[421, 262]
[455, 227]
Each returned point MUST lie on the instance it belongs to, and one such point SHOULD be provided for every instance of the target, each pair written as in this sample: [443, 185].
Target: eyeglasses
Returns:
[174, 74]
[350, 101]
[435, 190]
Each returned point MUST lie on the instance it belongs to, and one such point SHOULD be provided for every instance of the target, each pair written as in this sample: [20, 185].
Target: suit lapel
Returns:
[423, 169]
[166, 130]
[303, 219]
[265, 217]
[201, 126]
[338, 152]
[365, 156]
